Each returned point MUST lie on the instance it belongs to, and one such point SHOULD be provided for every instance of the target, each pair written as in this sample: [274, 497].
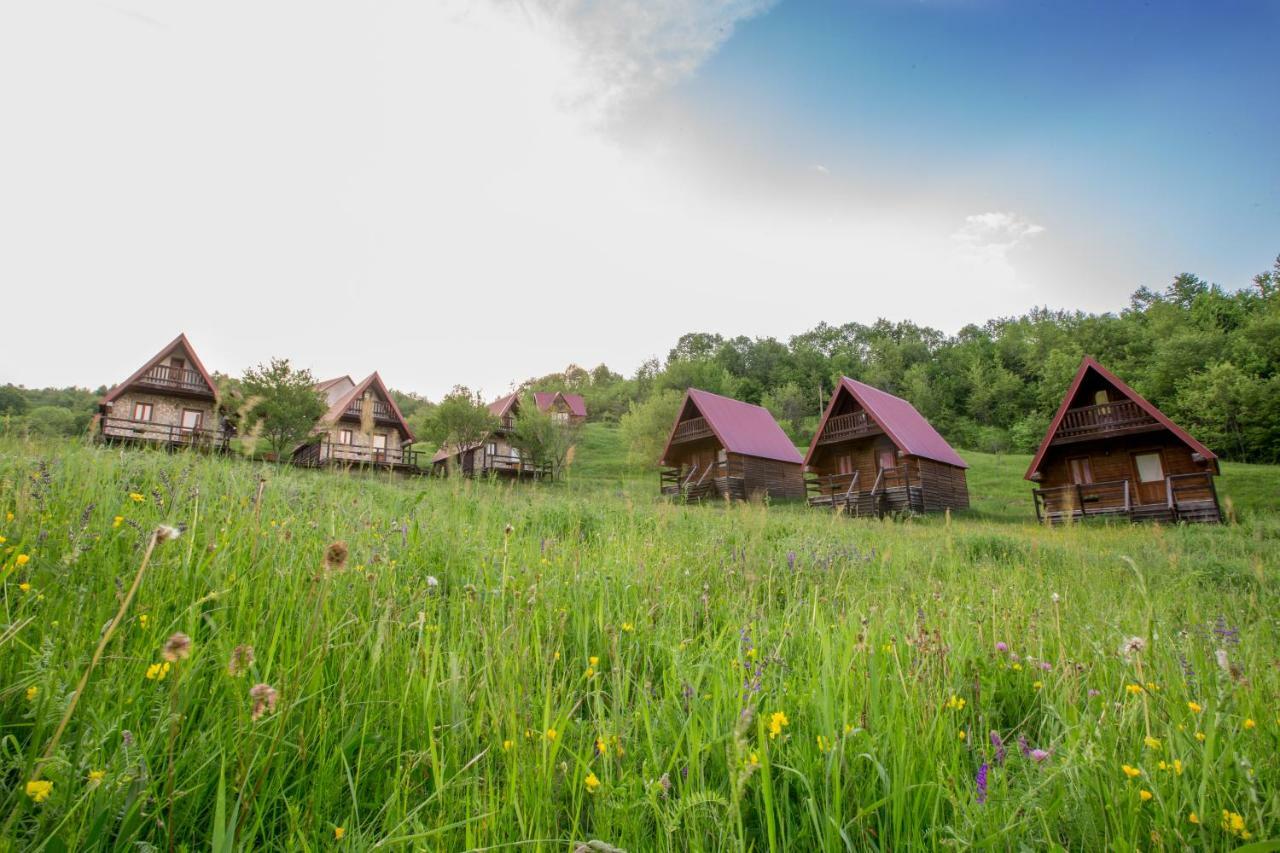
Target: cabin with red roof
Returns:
[496, 455]
[562, 406]
[720, 447]
[1109, 452]
[171, 401]
[362, 426]
[875, 454]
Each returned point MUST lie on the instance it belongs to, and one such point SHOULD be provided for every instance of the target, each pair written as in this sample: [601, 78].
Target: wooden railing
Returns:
[168, 434]
[511, 463]
[381, 410]
[846, 426]
[1187, 497]
[174, 378]
[1102, 419]
[332, 452]
[693, 428]
[1083, 499]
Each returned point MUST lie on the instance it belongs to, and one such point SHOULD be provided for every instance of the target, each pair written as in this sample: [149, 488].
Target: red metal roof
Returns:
[905, 427]
[740, 427]
[373, 380]
[1090, 364]
[545, 399]
[180, 340]
[502, 405]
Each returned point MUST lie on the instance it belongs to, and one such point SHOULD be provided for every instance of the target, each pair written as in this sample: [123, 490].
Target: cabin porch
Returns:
[171, 436]
[700, 479]
[1187, 498]
[893, 490]
[332, 453]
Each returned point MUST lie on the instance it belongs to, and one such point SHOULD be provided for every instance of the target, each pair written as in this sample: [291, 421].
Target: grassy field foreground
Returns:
[477, 665]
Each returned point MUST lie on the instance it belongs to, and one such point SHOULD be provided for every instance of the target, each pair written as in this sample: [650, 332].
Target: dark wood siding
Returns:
[769, 476]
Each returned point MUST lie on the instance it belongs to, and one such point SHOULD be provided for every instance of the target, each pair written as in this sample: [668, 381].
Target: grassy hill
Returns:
[551, 664]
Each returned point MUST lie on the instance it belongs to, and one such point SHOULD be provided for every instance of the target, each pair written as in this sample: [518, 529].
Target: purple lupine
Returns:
[998, 743]
[1023, 746]
[791, 560]
[981, 780]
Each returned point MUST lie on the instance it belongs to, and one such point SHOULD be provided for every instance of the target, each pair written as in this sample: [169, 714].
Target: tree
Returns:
[794, 409]
[51, 420]
[461, 420]
[542, 439]
[12, 400]
[646, 425]
[281, 403]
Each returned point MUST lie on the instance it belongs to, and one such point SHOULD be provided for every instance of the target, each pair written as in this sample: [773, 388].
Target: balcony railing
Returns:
[331, 452]
[381, 411]
[1185, 497]
[126, 429]
[691, 430]
[171, 378]
[1102, 419]
[847, 426]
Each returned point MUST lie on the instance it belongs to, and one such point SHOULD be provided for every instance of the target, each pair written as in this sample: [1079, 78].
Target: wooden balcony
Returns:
[1107, 419]
[382, 412]
[1187, 498]
[163, 435]
[848, 426]
[329, 452]
[186, 381]
[691, 430]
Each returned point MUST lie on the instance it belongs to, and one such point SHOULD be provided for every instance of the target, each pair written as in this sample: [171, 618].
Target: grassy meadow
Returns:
[542, 666]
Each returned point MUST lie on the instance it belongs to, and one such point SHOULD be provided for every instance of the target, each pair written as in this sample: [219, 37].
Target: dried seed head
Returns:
[335, 557]
[177, 647]
[264, 699]
[165, 533]
[241, 660]
[509, 530]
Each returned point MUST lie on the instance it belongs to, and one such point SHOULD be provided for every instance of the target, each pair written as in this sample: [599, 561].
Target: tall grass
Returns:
[591, 663]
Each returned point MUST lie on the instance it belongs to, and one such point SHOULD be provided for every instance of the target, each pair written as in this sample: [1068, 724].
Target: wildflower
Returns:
[96, 776]
[998, 743]
[823, 746]
[1145, 794]
[962, 735]
[338, 832]
[509, 530]
[1055, 598]
[1195, 707]
[1249, 723]
[1231, 822]
[264, 698]
[21, 560]
[506, 745]
[136, 498]
[955, 703]
[165, 533]
[551, 734]
[1152, 686]
[628, 627]
[177, 647]
[1023, 746]
[1092, 693]
[40, 789]
[1132, 646]
[126, 738]
[1200, 736]
[142, 620]
[1133, 689]
[1017, 667]
[241, 660]
[32, 693]
[8, 516]
[593, 660]
[117, 521]
[981, 781]
[1151, 743]
[592, 782]
[3, 540]
[157, 671]
[753, 760]
[1177, 766]
[1002, 646]
[432, 582]
[600, 746]
[1192, 817]
[335, 557]
[1037, 685]
[24, 586]
[1039, 755]
[1131, 772]
[777, 722]
[591, 672]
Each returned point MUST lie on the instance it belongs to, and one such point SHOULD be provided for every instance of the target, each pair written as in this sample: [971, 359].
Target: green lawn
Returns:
[555, 663]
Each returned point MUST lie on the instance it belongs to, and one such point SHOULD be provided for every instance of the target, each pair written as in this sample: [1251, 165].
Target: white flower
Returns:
[1132, 646]
[1224, 663]
[432, 582]
[1056, 598]
[165, 533]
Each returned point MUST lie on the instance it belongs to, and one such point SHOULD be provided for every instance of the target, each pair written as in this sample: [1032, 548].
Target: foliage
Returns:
[543, 439]
[51, 420]
[646, 425]
[459, 421]
[282, 403]
[796, 412]
[12, 400]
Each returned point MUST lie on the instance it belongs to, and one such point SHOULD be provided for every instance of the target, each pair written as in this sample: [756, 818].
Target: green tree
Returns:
[281, 404]
[543, 439]
[794, 410]
[459, 421]
[51, 420]
[12, 400]
[646, 425]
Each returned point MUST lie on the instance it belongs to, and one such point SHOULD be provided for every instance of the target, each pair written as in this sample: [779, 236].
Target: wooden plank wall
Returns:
[777, 479]
[944, 486]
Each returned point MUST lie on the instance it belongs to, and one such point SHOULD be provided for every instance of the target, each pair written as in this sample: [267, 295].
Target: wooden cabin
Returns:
[719, 447]
[1110, 453]
[874, 454]
[563, 407]
[171, 401]
[363, 426]
[496, 455]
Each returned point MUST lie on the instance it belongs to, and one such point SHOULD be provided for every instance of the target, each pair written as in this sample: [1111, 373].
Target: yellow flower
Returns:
[8, 516]
[1145, 794]
[1249, 723]
[1152, 686]
[96, 776]
[751, 653]
[136, 498]
[157, 671]
[822, 744]
[3, 540]
[1152, 743]
[753, 760]
[1192, 817]
[1133, 689]
[777, 721]
[593, 660]
[591, 672]
[955, 703]
[338, 832]
[1234, 823]
[1017, 667]
[556, 656]
[962, 734]
[21, 560]
[40, 789]
[1037, 685]
[592, 782]
[551, 734]
[601, 745]
[24, 586]
[142, 620]
[32, 693]
[1195, 709]
[627, 626]
[506, 745]
[117, 521]
[1177, 766]
[1200, 736]
[1131, 772]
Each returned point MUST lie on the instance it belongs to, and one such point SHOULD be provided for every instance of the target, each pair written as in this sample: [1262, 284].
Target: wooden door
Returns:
[1149, 476]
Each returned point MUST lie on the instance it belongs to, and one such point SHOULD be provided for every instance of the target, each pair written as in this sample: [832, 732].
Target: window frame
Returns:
[148, 411]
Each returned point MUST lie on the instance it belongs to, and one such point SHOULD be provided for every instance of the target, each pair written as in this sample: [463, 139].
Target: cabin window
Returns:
[887, 459]
[1100, 397]
[515, 453]
[560, 417]
[142, 411]
[379, 441]
[344, 436]
[845, 464]
[1150, 467]
[192, 419]
[1081, 472]
[491, 448]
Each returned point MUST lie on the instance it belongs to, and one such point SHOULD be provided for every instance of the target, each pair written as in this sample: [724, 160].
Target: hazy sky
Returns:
[481, 192]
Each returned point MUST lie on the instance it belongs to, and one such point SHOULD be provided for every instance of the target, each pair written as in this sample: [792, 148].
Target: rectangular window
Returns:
[142, 411]
[1150, 467]
[491, 449]
[846, 464]
[344, 436]
[192, 419]
[888, 459]
[379, 441]
[1081, 472]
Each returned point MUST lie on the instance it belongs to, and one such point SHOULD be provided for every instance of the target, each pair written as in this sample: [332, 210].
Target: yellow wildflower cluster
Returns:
[1133, 689]
[955, 703]
[1131, 772]
[40, 789]
[1234, 824]
[592, 782]
[1152, 743]
[158, 671]
[1175, 766]
[777, 722]
[1195, 707]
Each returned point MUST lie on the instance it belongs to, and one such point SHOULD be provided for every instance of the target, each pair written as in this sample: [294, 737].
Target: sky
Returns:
[481, 192]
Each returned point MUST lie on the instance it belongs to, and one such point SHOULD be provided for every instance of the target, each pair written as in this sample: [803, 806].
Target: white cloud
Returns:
[994, 235]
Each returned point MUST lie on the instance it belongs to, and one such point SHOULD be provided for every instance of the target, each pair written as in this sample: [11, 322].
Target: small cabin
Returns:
[362, 426]
[171, 401]
[875, 454]
[496, 455]
[720, 447]
[1111, 453]
[562, 407]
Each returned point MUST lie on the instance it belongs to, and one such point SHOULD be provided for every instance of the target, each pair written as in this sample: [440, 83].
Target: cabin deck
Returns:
[328, 453]
[1104, 420]
[1190, 498]
[892, 492]
[695, 484]
[128, 431]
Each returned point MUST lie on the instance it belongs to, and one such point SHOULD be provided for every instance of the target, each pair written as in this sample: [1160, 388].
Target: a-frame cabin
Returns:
[363, 426]
[496, 455]
[171, 401]
[1110, 452]
[874, 454]
[720, 447]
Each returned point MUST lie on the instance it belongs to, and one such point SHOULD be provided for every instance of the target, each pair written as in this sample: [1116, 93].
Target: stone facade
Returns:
[166, 416]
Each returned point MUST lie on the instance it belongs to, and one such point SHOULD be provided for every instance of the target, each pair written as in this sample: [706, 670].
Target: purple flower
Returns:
[998, 743]
[1039, 755]
[1023, 746]
[791, 560]
[1002, 646]
[981, 780]
[1093, 693]
[1014, 656]
[1046, 666]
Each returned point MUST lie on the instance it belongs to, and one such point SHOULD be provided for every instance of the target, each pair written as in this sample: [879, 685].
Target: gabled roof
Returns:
[502, 405]
[372, 381]
[179, 341]
[546, 399]
[1090, 364]
[740, 427]
[330, 387]
[904, 426]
